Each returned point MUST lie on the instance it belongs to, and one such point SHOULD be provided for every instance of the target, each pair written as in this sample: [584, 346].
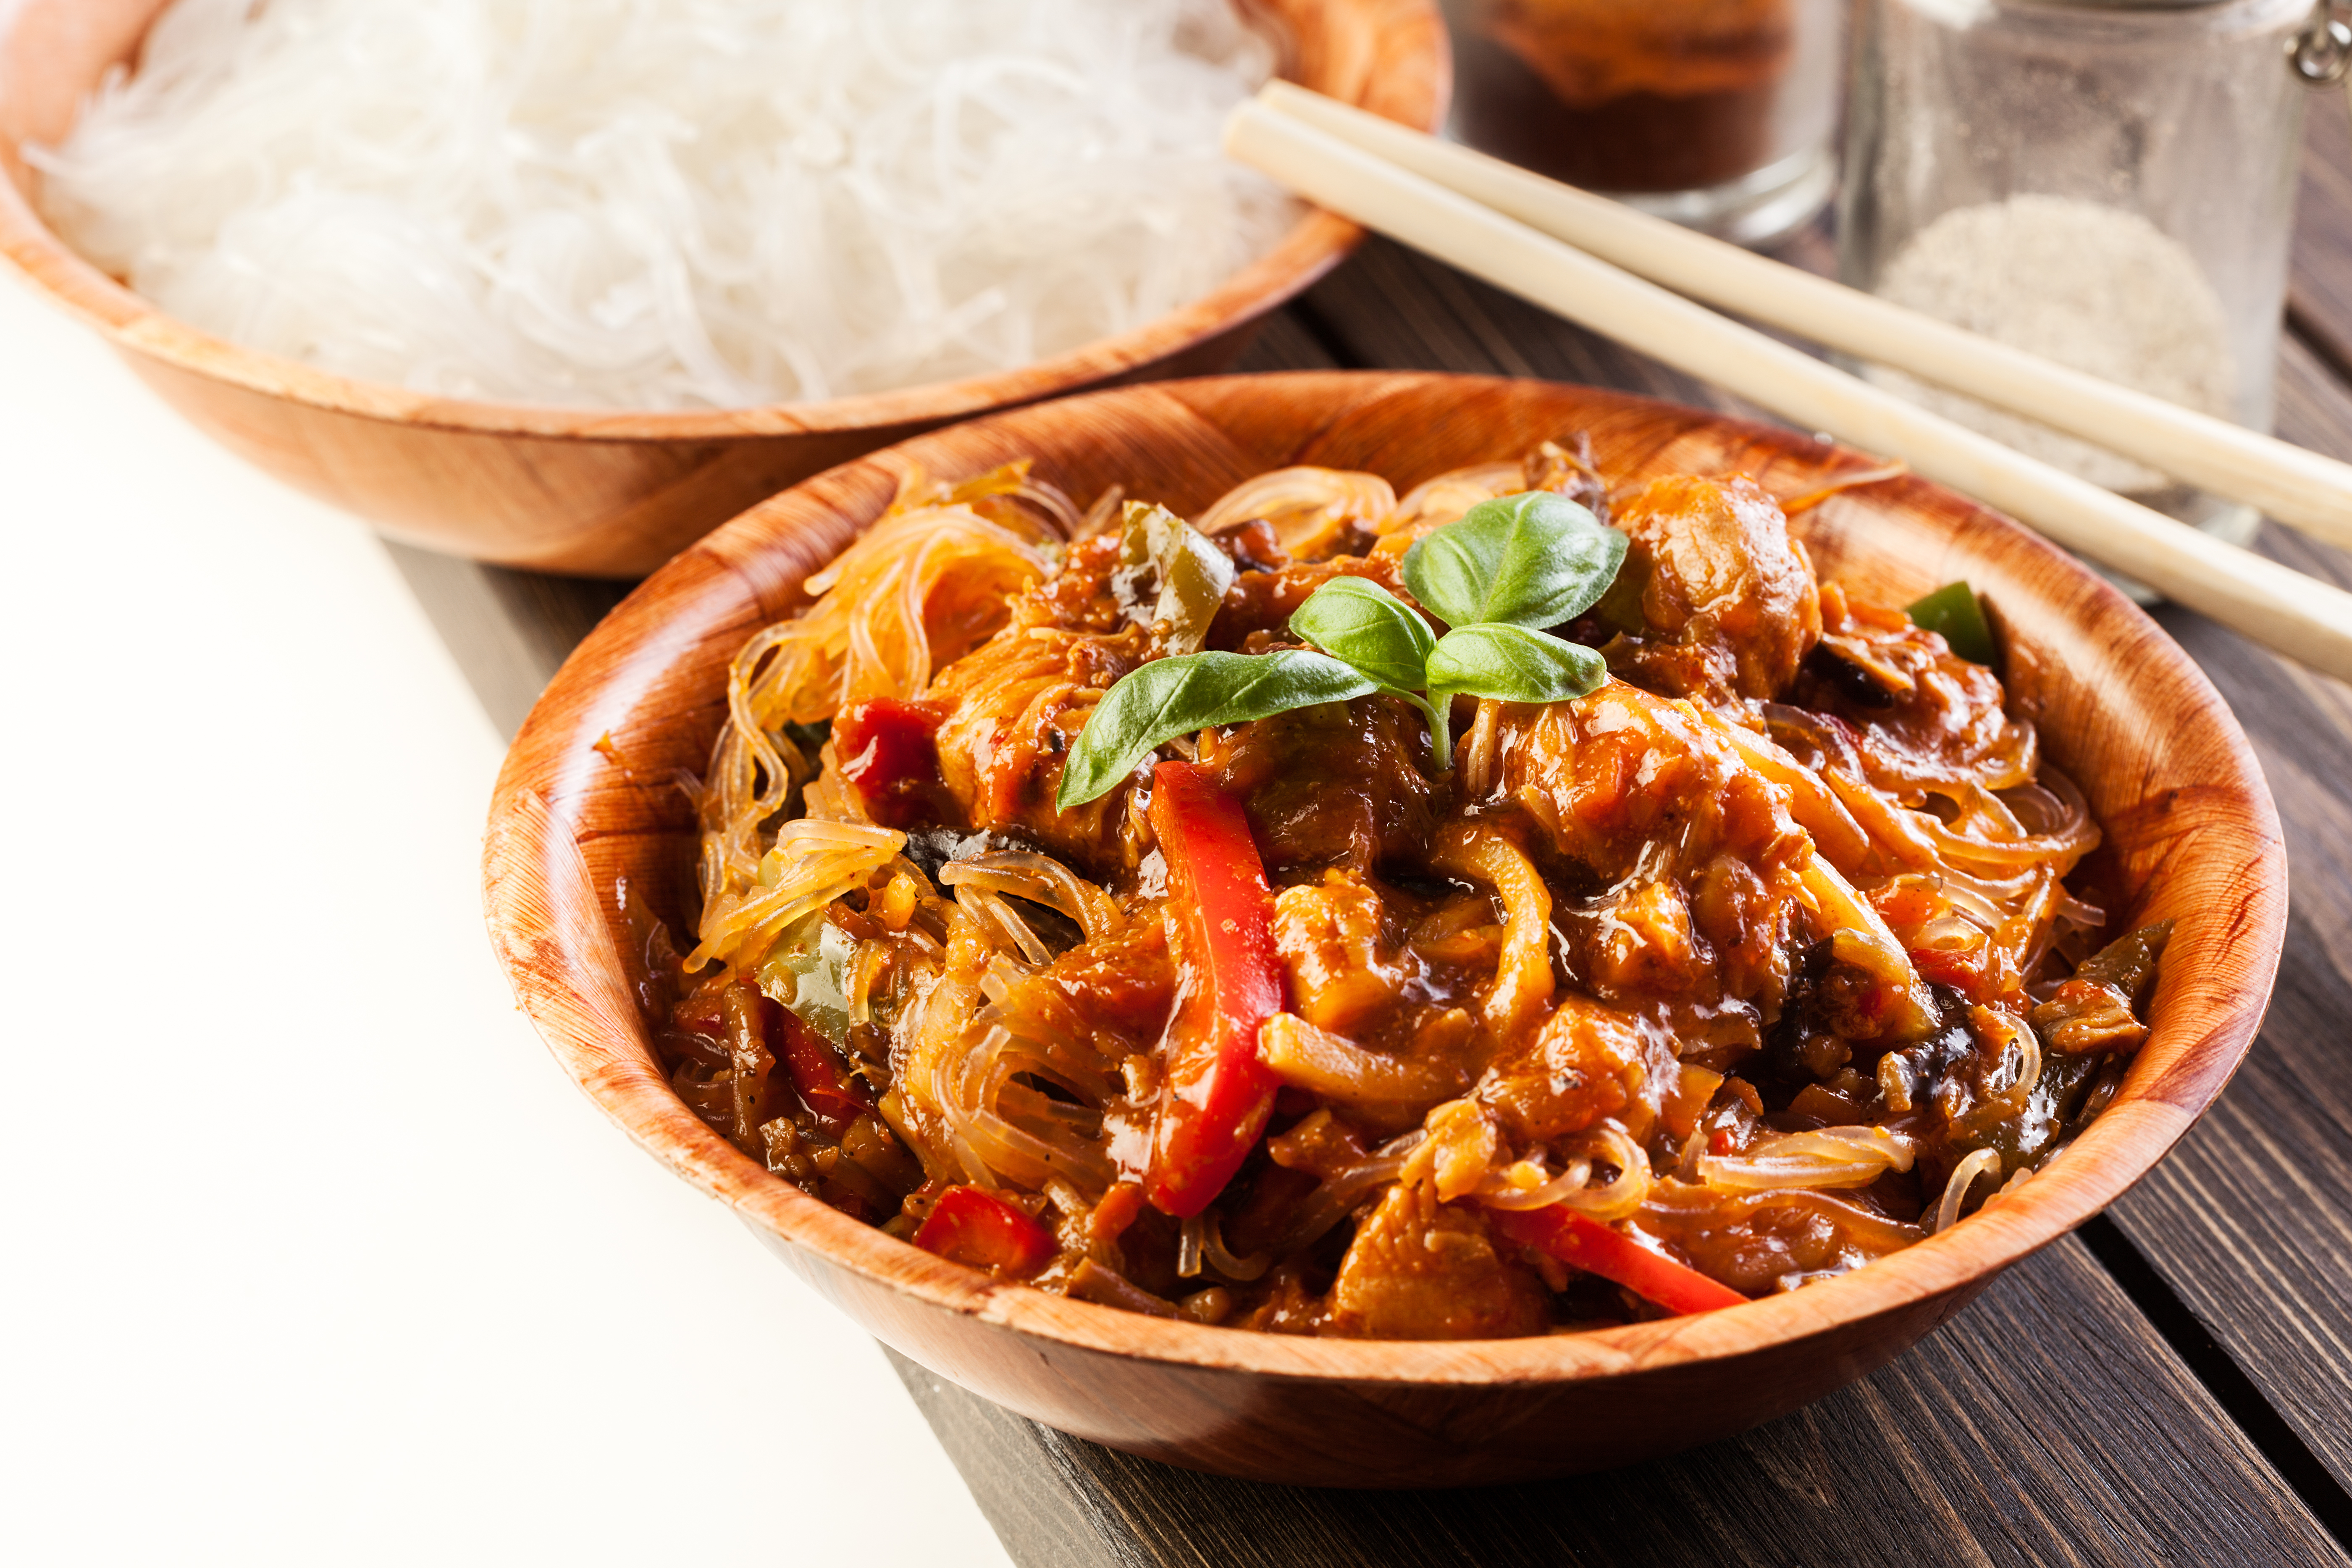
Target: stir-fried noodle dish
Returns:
[1526, 905]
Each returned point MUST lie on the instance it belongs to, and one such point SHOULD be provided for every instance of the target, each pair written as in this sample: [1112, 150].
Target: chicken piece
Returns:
[1706, 878]
[1010, 709]
[1746, 924]
[1432, 1273]
[1611, 775]
[1328, 934]
[1892, 702]
[1335, 783]
[1645, 942]
[1260, 604]
[1727, 599]
[1585, 1063]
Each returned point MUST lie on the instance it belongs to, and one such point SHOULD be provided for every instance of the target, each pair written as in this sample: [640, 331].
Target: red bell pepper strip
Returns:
[831, 1095]
[1215, 1094]
[969, 1225]
[1585, 1243]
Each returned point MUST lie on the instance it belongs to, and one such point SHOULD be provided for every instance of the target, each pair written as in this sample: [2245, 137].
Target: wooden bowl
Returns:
[601, 492]
[2191, 834]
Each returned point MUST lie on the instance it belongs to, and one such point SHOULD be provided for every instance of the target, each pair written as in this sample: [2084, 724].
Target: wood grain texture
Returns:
[2319, 281]
[2045, 1425]
[603, 493]
[2190, 834]
[2251, 1222]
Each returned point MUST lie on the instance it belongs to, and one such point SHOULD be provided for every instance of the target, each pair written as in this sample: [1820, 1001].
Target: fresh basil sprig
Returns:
[1172, 697]
[1514, 664]
[1498, 575]
[1536, 560]
[1356, 619]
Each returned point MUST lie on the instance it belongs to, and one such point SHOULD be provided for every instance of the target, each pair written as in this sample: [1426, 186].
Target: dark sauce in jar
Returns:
[1631, 96]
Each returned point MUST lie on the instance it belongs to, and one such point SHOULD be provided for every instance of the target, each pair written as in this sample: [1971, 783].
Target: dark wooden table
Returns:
[2172, 1385]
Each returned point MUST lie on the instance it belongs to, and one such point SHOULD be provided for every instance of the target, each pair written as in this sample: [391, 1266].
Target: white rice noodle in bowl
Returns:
[669, 205]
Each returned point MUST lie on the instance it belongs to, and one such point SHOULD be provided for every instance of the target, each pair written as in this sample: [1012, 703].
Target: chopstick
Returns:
[2291, 614]
[2291, 483]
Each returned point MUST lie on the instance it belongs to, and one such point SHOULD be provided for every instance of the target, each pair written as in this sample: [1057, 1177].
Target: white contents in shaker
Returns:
[2094, 288]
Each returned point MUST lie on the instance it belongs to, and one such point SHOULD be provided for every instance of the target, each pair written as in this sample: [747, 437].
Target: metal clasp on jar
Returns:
[2320, 53]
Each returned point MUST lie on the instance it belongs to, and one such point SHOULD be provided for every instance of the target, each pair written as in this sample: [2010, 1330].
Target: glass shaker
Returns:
[2109, 183]
[1718, 114]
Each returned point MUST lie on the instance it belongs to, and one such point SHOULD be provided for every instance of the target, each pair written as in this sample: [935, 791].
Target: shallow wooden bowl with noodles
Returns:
[599, 492]
[588, 816]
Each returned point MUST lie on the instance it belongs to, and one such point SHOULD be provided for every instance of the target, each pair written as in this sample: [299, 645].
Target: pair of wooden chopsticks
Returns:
[1577, 255]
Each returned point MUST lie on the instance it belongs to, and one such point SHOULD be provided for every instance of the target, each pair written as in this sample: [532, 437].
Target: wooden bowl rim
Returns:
[1318, 242]
[526, 842]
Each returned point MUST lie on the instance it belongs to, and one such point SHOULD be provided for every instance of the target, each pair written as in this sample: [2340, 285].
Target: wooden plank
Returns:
[2319, 289]
[2048, 1424]
[2250, 1220]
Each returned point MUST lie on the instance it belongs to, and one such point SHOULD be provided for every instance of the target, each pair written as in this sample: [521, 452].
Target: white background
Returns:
[308, 1253]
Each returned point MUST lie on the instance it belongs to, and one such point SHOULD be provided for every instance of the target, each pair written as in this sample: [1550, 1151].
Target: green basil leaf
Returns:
[1514, 664]
[1172, 697]
[1534, 559]
[1355, 619]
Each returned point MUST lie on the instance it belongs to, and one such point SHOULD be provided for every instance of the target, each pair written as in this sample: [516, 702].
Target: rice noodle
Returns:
[1867, 1228]
[1615, 1199]
[1956, 1190]
[1042, 879]
[1828, 1157]
[1009, 1132]
[1308, 508]
[1189, 1237]
[1989, 834]
[1005, 922]
[671, 203]
[1213, 1251]
[1329, 1204]
[919, 586]
[811, 864]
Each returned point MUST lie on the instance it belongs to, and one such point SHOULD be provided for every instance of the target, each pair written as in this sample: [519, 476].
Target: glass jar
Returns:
[1718, 114]
[2109, 183]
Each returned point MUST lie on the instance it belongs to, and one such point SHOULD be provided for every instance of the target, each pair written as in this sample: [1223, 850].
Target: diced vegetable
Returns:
[1953, 613]
[2093, 1009]
[1217, 1095]
[831, 1095]
[1582, 1242]
[888, 751]
[807, 971]
[979, 1228]
[2126, 963]
[1191, 573]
